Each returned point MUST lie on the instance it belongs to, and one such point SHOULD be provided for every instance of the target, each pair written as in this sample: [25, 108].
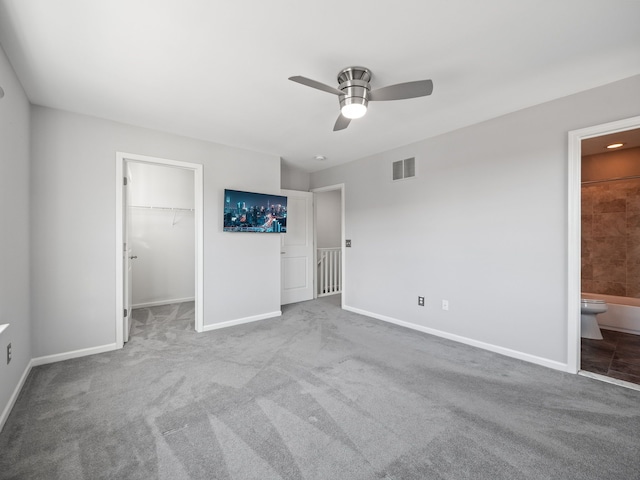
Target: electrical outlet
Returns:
[445, 304]
[421, 301]
[8, 353]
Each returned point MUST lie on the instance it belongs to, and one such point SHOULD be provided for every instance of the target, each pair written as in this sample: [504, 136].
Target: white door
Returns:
[126, 256]
[297, 248]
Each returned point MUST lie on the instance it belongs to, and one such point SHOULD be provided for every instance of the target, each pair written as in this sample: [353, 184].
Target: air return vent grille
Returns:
[404, 168]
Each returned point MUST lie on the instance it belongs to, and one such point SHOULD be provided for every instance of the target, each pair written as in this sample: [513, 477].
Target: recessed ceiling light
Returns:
[615, 145]
[320, 158]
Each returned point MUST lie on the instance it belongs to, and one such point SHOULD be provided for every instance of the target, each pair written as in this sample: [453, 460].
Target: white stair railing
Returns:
[329, 271]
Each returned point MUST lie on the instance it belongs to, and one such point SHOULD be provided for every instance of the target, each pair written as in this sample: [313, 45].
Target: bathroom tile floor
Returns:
[617, 355]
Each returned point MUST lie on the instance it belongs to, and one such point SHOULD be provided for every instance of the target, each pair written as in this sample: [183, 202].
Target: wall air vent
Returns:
[404, 169]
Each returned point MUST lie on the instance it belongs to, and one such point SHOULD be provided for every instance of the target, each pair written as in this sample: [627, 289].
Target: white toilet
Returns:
[589, 308]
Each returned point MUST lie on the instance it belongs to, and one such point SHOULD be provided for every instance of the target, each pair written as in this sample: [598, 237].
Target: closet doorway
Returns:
[159, 242]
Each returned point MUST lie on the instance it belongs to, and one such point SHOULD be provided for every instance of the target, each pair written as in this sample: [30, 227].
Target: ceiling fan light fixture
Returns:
[353, 110]
[354, 106]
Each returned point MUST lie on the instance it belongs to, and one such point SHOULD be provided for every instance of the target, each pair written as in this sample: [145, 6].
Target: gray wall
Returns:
[484, 225]
[14, 233]
[328, 218]
[293, 178]
[73, 228]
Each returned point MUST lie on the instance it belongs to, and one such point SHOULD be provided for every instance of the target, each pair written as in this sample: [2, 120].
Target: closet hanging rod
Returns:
[173, 209]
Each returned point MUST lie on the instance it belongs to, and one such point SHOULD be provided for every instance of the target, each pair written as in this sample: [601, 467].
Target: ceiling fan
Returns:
[355, 92]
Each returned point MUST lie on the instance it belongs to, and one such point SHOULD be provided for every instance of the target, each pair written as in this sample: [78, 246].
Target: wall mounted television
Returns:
[254, 212]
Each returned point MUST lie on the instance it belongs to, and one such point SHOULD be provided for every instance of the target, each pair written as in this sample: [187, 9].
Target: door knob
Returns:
[133, 257]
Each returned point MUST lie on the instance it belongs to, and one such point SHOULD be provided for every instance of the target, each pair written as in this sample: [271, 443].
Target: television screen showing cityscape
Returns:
[254, 212]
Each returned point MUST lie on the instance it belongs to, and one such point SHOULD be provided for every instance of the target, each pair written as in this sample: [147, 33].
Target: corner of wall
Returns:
[15, 305]
[293, 178]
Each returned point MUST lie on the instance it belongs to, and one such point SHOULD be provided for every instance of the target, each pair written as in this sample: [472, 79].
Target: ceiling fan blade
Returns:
[341, 123]
[401, 91]
[317, 85]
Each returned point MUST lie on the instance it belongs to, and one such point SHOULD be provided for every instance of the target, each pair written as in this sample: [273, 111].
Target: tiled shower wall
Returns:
[611, 238]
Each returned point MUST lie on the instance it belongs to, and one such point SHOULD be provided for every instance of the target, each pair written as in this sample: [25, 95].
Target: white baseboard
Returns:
[162, 302]
[59, 357]
[14, 396]
[240, 321]
[467, 341]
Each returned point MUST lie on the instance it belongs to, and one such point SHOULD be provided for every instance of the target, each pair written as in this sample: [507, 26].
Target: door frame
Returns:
[574, 226]
[198, 192]
[329, 188]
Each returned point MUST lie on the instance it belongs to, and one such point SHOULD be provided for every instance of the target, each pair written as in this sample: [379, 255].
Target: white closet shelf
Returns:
[171, 209]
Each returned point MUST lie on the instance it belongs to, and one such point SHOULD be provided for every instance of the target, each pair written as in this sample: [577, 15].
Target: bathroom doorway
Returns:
[604, 249]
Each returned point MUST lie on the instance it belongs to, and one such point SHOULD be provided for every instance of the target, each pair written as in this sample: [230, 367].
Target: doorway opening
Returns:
[588, 267]
[171, 201]
[329, 242]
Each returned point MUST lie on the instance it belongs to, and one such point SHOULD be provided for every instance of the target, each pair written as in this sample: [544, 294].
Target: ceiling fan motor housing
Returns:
[354, 82]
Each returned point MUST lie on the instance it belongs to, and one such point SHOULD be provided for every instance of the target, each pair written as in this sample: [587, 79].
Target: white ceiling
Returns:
[218, 70]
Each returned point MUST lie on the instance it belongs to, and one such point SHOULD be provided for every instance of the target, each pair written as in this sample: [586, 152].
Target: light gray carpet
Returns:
[319, 393]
